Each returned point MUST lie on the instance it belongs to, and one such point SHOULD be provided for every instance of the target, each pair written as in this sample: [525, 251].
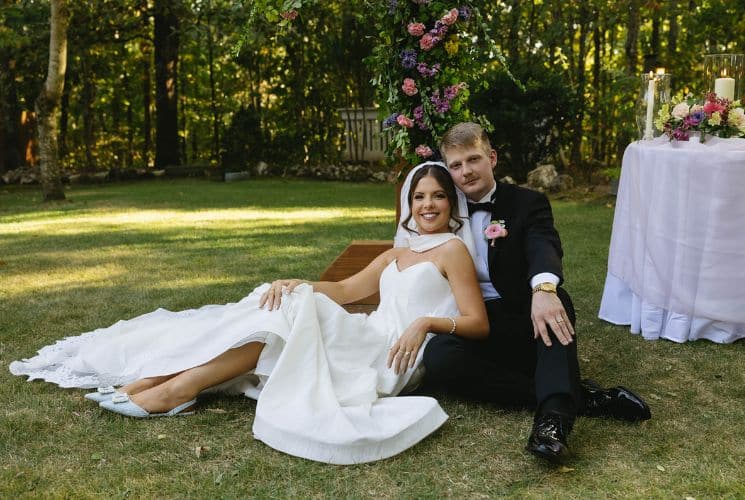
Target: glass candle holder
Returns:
[724, 75]
[654, 92]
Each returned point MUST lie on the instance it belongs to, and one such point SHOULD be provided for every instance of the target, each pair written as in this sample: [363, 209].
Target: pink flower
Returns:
[416, 29]
[409, 87]
[496, 229]
[712, 107]
[289, 14]
[450, 17]
[428, 41]
[423, 151]
[405, 121]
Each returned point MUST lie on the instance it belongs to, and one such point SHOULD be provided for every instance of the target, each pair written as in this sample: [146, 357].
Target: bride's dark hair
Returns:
[443, 178]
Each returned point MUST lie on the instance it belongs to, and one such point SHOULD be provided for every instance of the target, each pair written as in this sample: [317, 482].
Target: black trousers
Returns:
[510, 367]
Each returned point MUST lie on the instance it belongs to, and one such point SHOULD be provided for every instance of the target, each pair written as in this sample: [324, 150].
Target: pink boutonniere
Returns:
[496, 229]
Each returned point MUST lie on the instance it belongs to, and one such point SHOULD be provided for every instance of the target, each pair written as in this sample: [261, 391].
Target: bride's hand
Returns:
[404, 352]
[273, 297]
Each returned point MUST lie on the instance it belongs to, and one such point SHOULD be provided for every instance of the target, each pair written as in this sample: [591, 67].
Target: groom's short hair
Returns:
[465, 135]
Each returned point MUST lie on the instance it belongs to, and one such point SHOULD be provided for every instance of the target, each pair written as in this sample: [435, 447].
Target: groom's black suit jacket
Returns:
[511, 365]
[531, 246]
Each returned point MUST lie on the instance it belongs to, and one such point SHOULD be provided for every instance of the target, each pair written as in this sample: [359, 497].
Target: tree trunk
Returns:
[128, 156]
[672, 34]
[652, 59]
[127, 145]
[47, 104]
[166, 83]
[184, 132]
[631, 47]
[213, 95]
[581, 79]
[88, 97]
[147, 128]
[10, 111]
[64, 121]
[655, 39]
[556, 40]
[513, 37]
[613, 115]
[597, 85]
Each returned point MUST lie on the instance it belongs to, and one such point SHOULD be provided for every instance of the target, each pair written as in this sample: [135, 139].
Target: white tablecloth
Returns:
[676, 264]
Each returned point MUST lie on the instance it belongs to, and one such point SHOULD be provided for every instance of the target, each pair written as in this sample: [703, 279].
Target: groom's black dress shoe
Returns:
[616, 402]
[549, 437]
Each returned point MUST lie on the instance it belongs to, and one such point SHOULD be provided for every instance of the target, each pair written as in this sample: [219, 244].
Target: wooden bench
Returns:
[353, 259]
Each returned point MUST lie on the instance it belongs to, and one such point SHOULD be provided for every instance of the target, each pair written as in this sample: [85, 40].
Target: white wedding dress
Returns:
[322, 384]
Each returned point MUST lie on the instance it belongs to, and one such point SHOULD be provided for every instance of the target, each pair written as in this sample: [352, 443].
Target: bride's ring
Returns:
[560, 320]
[407, 353]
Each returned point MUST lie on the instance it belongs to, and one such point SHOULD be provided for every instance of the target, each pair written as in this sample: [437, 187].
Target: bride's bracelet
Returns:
[452, 330]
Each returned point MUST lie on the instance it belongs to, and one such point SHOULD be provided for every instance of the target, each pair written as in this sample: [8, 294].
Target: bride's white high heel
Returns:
[102, 394]
[122, 405]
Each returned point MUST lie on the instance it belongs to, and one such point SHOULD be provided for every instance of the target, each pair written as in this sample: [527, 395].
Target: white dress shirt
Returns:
[479, 221]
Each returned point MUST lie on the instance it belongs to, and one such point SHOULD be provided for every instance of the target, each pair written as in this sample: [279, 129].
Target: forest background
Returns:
[277, 99]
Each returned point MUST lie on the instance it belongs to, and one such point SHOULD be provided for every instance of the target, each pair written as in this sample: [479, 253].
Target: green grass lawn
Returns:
[115, 251]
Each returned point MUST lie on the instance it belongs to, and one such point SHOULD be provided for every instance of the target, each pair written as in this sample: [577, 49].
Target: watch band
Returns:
[545, 287]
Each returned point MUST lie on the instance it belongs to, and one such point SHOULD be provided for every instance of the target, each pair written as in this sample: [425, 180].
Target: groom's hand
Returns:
[547, 312]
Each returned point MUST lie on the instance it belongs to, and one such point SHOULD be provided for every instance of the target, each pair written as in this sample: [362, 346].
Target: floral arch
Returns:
[427, 57]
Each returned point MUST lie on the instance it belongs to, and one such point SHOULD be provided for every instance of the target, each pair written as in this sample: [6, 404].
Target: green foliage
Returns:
[529, 126]
[276, 12]
[299, 75]
[24, 30]
[428, 47]
[296, 73]
[243, 143]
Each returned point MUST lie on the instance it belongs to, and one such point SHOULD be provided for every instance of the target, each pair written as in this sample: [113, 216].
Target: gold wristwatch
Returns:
[545, 287]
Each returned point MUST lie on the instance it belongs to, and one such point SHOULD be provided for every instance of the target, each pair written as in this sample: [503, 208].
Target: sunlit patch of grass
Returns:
[93, 222]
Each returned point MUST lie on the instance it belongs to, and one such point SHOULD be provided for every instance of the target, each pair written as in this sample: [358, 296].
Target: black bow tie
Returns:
[480, 207]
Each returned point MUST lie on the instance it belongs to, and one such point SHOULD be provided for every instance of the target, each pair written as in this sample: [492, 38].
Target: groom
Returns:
[530, 357]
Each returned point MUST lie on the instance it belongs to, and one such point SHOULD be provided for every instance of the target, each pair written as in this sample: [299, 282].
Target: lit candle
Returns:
[725, 87]
[660, 71]
[648, 131]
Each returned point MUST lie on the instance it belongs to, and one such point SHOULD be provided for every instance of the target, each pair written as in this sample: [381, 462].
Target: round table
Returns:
[676, 264]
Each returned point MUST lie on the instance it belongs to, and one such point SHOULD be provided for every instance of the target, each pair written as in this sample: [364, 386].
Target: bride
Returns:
[322, 377]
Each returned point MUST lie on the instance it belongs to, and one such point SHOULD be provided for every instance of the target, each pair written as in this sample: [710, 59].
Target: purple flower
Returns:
[441, 105]
[392, 4]
[680, 135]
[391, 120]
[464, 12]
[451, 92]
[418, 113]
[440, 29]
[424, 70]
[408, 58]
[695, 118]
